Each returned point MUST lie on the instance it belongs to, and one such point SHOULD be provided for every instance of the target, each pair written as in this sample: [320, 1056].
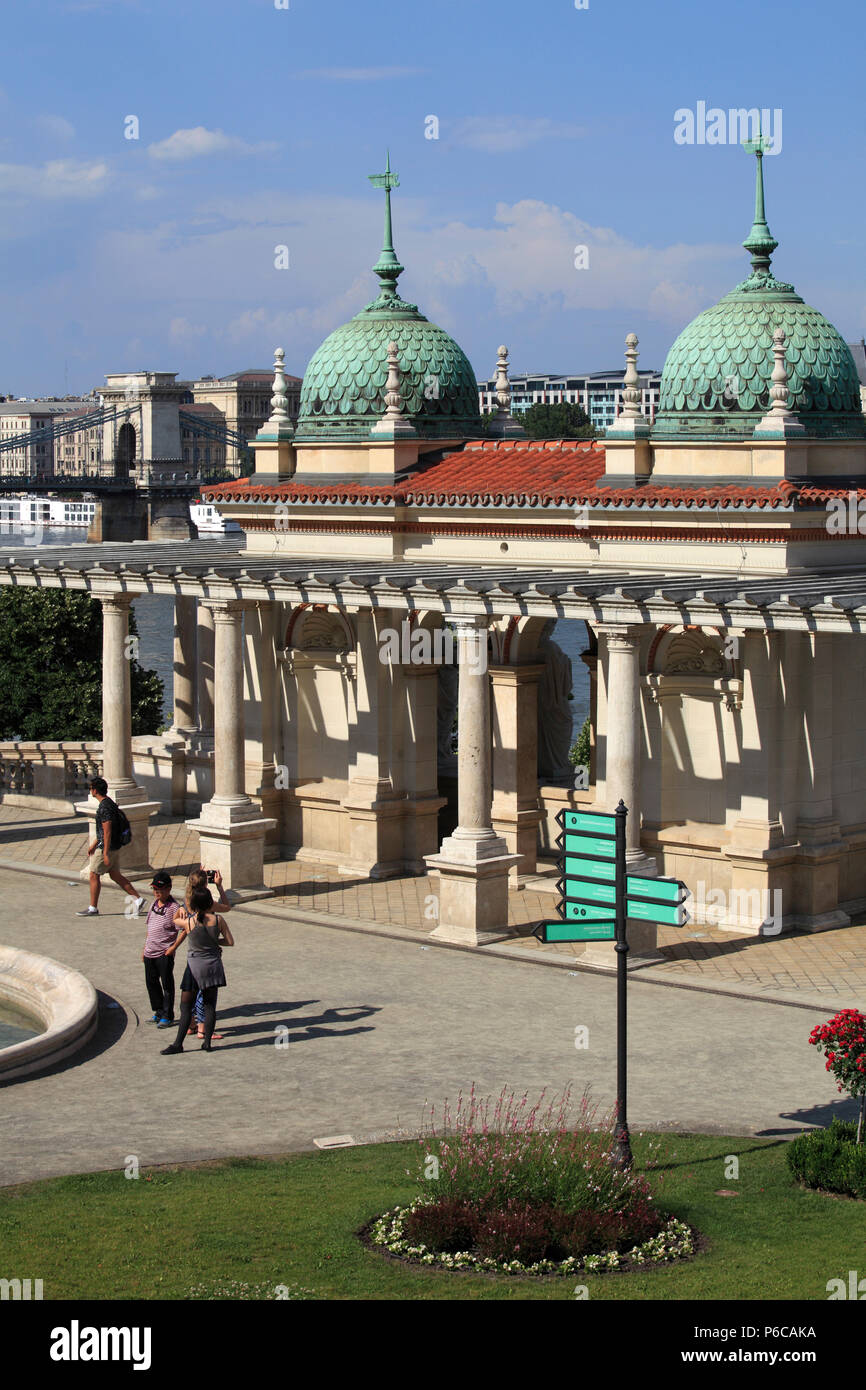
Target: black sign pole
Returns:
[622, 1148]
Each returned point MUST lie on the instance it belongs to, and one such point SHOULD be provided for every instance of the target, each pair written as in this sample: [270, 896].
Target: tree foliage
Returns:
[51, 669]
[563, 420]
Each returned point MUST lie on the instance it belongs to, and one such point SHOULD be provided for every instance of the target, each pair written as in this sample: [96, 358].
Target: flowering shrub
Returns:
[519, 1191]
[843, 1042]
[527, 1155]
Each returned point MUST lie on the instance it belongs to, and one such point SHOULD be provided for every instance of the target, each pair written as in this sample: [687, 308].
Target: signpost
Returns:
[599, 897]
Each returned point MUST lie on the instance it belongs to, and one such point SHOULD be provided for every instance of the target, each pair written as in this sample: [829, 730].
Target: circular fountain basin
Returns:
[56, 1004]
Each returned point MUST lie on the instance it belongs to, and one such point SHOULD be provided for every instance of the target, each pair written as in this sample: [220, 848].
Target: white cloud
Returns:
[527, 258]
[56, 126]
[199, 141]
[58, 178]
[180, 330]
[505, 134]
[147, 192]
[358, 74]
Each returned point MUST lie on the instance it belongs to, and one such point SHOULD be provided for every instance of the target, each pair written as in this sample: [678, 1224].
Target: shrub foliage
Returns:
[830, 1159]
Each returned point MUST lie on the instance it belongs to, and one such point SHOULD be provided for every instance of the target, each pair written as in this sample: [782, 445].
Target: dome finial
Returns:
[388, 268]
[760, 241]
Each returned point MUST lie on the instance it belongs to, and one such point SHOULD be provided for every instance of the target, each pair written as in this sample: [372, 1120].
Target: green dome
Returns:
[343, 395]
[718, 374]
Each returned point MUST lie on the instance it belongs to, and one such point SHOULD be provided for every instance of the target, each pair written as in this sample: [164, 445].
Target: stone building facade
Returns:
[715, 558]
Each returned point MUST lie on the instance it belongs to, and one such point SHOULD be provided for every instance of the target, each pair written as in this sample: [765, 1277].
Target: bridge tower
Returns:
[143, 445]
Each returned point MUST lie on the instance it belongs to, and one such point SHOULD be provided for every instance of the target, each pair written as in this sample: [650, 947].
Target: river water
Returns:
[155, 618]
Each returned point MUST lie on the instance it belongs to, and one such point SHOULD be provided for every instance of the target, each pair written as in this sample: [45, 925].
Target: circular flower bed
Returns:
[673, 1242]
[523, 1191]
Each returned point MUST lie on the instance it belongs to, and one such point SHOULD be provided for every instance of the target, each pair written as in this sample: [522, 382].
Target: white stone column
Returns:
[473, 863]
[205, 691]
[622, 758]
[117, 655]
[185, 661]
[231, 828]
[622, 748]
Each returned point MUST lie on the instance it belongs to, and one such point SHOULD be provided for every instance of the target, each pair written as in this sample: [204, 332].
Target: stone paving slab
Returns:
[828, 969]
[372, 1029]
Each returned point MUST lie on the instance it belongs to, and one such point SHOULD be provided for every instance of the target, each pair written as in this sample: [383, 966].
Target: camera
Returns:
[211, 875]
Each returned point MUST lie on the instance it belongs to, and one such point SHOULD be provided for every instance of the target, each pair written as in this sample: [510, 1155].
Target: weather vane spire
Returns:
[388, 268]
[760, 242]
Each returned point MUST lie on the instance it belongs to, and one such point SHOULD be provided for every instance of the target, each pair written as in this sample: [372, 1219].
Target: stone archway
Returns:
[125, 452]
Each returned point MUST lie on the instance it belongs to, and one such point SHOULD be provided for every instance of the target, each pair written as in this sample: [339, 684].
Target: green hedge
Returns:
[830, 1159]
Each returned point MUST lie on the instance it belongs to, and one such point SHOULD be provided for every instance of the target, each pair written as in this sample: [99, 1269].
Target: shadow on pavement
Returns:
[328, 1024]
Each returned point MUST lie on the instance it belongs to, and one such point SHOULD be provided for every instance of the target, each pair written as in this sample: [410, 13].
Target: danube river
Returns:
[155, 617]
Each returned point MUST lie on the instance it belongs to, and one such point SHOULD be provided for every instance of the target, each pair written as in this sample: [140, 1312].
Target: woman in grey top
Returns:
[204, 967]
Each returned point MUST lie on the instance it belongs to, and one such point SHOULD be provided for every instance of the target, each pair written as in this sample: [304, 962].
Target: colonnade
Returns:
[495, 831]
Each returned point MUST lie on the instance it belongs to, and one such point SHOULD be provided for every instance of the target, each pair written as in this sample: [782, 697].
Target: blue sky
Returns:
[258, 126]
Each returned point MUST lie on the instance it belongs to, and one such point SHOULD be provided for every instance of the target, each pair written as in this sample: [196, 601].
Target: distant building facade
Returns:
[600, 393]
[29, 423]
[201, 453]
[244, 400]
[858, 352]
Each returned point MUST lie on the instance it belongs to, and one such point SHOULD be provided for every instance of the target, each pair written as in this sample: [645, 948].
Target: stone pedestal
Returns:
[133, 860]
[232, 839]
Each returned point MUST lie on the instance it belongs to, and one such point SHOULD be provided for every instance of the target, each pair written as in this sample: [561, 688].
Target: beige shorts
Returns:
[96, 864]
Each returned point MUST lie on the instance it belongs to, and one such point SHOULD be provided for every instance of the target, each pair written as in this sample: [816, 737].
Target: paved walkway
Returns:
[827, 969]
[372, 1029]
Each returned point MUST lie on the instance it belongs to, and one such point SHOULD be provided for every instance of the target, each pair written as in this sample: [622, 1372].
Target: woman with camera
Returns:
[202, 878]
[207, 933]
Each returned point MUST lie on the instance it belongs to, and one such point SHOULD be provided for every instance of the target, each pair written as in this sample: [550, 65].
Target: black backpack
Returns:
[125, 828]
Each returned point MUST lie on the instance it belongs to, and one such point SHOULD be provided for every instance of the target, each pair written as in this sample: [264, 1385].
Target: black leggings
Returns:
[187, 999]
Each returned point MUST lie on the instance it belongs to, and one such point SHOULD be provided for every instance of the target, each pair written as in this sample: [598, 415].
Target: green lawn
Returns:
[292, 1221]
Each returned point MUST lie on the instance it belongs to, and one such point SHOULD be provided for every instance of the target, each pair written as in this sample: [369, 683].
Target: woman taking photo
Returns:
[204, 967]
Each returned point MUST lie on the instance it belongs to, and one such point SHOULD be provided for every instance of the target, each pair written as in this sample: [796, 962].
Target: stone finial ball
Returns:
[631, 341]
[503, 350]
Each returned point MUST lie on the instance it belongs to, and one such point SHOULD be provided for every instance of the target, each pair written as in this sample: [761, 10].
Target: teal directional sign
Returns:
[593, 864]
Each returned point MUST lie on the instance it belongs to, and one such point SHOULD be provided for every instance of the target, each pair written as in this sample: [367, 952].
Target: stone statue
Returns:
[555, 717]
[446, 708]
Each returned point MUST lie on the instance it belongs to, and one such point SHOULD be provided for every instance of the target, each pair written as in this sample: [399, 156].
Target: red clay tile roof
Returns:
[521, 473]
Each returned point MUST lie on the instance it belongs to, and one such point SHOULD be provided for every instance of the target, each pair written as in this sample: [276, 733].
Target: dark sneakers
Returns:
[167, 1051]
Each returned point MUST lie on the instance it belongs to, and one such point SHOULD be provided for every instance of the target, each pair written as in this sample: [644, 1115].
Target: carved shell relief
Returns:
[319, 631]
[694, 654]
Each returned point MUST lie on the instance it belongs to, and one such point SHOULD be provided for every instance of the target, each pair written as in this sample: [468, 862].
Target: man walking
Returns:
[108, 837]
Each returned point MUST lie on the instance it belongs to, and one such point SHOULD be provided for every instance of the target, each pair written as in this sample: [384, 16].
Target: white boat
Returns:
[208, 521]
[24, 513]
[27, 512]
